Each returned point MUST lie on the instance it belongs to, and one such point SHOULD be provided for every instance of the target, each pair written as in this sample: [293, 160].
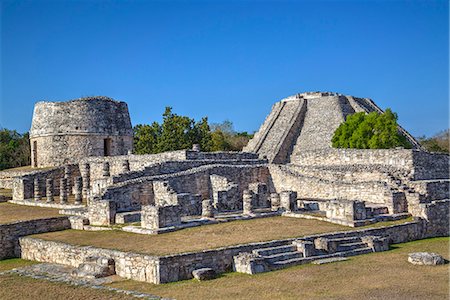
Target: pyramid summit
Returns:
[307, 121]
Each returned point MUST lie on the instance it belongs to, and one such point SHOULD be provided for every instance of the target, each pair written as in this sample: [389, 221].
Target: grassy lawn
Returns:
[12, 212]
[383, 275]
[13, 287]
[197, 238]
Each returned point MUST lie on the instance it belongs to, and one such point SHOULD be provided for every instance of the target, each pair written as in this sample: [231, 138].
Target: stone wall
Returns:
[397, 158]
[180, 266]
[10, 233]
[307, 187]
[430, 165]
[133, 266]
[193, 181]
[169, 268]
[437, 216]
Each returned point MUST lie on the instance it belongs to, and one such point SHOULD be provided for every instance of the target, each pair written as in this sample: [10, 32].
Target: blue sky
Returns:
[225, 59]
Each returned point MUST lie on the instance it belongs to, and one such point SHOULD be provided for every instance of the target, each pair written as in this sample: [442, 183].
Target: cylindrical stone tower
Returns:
[64, 132]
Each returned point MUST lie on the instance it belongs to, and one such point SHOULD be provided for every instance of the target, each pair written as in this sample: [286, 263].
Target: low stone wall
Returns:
[10, 233]
[416, 164]
[169, 268]
[401, 158]
[180, 266]
[437, 214]
[286, 179]
[134, 266]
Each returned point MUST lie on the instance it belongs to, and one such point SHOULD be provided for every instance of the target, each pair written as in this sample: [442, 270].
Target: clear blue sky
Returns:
[225, 59]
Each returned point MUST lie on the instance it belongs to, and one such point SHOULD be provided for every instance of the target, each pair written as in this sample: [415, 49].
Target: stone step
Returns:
[283, 256]
[274, 250]
[351, 246]
[305, 260]
[347, 240]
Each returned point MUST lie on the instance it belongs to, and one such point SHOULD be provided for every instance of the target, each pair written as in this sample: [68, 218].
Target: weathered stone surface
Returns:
[425, 258]
[64, 132]
[204, 274]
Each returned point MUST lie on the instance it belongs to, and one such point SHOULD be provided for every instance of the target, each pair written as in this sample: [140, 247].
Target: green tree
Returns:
[146, 138]
[370, 131]
[201, 134]
[14, 149]
[176, 132]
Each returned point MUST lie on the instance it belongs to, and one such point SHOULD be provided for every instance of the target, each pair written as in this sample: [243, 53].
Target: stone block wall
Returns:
[102, 212]
[10, 233]
[133, 266]
[195, 181]
[156, 217]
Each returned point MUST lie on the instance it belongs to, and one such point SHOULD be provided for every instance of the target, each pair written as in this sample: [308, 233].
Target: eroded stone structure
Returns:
[289, 169]
[64, 132]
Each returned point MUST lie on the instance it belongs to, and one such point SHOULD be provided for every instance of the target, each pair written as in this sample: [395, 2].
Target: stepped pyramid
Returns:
[306, 122]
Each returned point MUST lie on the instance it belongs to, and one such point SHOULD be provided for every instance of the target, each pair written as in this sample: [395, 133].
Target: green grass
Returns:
[383, 275]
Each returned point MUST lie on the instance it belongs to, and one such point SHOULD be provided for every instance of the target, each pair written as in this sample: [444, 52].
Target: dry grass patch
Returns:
[13, 212]
[13, 287]
[197, 238]
[383, 275]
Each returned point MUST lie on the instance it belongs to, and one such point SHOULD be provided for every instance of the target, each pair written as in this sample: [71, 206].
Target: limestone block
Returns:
[249, 263]
[248, 202]
[156, 217]
[204, 274]
[307, 248]
[102, 212]
[275, 201]
[288, 200]
[326, 244]
[425, 258]
[207, 208]
[377, 243]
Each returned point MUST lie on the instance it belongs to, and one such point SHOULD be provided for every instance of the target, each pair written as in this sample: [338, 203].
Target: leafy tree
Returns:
[14, 149]
[201, 134]
[176, 133]
[370, 131]
[146, 138]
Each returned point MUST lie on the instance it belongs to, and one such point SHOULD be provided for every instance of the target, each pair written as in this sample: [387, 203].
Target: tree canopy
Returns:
[180, 132]
[14, 149]
[370, 131]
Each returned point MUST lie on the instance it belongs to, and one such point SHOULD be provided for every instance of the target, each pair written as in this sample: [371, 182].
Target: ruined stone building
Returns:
[64, 132]
[289, 168]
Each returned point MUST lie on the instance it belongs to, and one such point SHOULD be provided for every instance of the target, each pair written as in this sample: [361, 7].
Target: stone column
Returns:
[275, 201]
[67, 174]
[106, 171]
[78, 190]
[86, 175]
[288, 200]
[207, 208]
[49, 190]
[196, 147]
[125, 166]
[37, 190]
[63, 190]
[247, 199]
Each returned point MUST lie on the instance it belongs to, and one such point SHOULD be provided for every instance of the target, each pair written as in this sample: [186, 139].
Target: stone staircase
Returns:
[305, 251]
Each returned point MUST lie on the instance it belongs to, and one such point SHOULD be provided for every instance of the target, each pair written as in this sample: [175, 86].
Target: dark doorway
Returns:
[34, 154]
[107, 147]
